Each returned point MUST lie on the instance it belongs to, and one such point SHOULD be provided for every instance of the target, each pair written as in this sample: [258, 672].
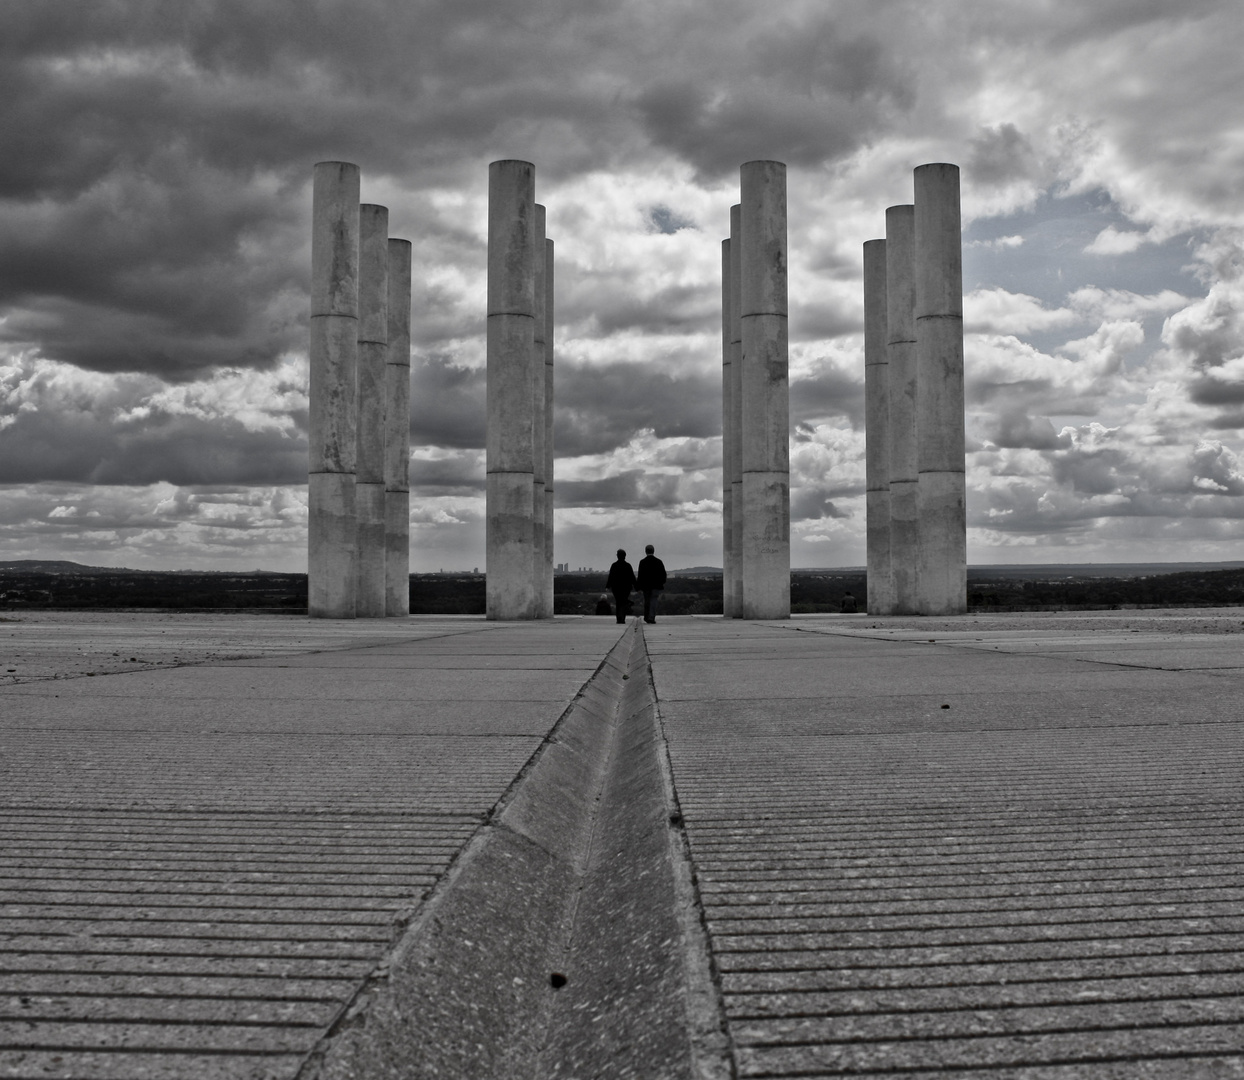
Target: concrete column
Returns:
[736, 415]
[510, 591]
[901, 360]
[548, 430]
[331, 563]
[370, 429]
[877, 430]
[939, 359]
[766, 394]
[538, 537]
[727, 439]
[397, 435]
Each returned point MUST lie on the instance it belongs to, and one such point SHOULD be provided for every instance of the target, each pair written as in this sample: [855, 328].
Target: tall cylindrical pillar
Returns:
[736, 414]
[397, 435]
[904, 392]
[547, 576]
[331, 562]
[766, 394]
[510, 592]
[877, 431]
[538, 539]
[373, 331]
[727, 440]
[942, 495]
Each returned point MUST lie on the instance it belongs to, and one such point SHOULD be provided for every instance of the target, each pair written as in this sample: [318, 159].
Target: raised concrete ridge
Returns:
[831, 846]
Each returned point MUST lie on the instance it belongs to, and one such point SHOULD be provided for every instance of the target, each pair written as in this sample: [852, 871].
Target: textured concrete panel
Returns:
[181, 901]
[1051, 881]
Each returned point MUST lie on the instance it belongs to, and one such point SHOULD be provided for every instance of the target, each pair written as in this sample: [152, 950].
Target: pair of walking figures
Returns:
[650, 580]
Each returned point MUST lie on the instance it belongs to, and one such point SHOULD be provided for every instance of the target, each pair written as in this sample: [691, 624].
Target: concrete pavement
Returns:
[944, 849]
[830, 846]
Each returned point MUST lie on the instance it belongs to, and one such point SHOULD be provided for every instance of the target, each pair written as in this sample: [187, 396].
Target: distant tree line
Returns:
[1210, 588]
[67, 585]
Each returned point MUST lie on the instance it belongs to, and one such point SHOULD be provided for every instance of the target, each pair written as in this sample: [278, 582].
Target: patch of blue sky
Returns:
[1052, 260]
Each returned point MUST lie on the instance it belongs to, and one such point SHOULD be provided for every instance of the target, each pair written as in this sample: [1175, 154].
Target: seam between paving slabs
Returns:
[581, 872]
[710, 1032]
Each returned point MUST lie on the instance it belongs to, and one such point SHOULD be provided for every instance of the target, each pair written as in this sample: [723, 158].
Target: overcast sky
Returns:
[155, 168]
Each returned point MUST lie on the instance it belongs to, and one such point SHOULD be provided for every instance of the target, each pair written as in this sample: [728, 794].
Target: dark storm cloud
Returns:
[601, 407]
[448, 404]
[1093, 472]
[598, 407]
[673, 309]
[153, 189]
[830, 392]
[457, 474]
[1017, 430]
[814, 502]
[1210, 390]
[153, 186]
[630, 490]
[88, 449]
[1000, 155]
[805, 93]
[1228, 422]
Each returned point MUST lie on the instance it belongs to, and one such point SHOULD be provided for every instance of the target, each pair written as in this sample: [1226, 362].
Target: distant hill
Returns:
[64, 566]
[57, 566]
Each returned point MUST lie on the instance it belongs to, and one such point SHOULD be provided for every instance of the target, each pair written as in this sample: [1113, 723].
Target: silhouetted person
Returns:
[650, 582]
[848, 604]
[621, 583]
[602, 605]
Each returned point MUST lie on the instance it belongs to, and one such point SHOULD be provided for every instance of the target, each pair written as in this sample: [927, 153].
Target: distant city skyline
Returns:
[154, 225]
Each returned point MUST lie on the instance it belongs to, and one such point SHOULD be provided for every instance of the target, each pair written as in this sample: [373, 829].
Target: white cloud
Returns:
[996, 311]
[1110, 241]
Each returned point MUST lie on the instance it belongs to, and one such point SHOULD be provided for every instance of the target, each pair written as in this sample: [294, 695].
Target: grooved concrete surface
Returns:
[199, 865]
[208, 846]
[1014, 850]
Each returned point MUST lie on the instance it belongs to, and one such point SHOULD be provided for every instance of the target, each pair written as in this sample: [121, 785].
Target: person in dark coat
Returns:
[650, 582]
[621, 583]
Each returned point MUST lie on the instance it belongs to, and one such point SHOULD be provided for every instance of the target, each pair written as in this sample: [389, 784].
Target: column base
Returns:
[943, 544]
[332, 564]
[766, 545]
[369, 501]
[510, 588]
[397, 554]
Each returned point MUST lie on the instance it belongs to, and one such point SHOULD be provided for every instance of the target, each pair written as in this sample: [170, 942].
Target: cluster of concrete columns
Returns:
[913, 390]
[520, 398]
[756, 400]
[358, 527]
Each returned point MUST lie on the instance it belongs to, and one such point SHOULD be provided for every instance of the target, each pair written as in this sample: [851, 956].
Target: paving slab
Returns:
[213, 828]
[247, 846]
[991, 846]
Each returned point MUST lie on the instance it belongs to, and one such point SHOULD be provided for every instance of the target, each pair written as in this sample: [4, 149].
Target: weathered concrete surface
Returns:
[728, 434]
[207, 867]
[539, 428]
[765, 388]
[877, 430]
[546, 580]
[1014, 852]
[904, 400]
[735, 461]
[397, 433]
[560, 947]
[941, 493]
[201, 864]
[510, 447]
[333, 361]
